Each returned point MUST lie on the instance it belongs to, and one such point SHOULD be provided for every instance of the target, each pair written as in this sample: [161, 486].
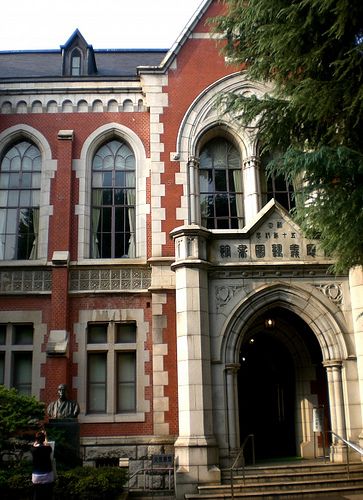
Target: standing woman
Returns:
[42, 476]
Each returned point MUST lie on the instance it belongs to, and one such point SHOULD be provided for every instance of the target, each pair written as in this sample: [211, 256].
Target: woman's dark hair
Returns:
[40, 437]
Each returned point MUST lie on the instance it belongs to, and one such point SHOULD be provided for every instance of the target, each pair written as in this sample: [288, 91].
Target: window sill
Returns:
[108, 262]
[117, 418]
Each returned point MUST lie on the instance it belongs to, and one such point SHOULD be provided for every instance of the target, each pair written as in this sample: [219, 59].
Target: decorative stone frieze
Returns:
[25, 281]
[109, 280]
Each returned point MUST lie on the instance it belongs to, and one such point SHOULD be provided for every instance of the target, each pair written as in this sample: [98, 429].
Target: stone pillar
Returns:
[193, 187]
[356, 297]
[336, 404]
[251, 187]
[196, 451]
[232, 406]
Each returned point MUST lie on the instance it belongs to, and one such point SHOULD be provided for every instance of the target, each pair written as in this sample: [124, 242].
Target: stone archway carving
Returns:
[323, 318]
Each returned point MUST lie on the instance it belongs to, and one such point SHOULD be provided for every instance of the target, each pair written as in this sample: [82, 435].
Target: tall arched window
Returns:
[221, 190]
[19, 201]
[275, 186]
[113, 201]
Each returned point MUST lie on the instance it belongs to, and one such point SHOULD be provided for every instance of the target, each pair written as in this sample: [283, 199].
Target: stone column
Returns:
[356, 297]
[232, 406]
[336, 404]
[196, 451]
[193, 187]
[251, 187]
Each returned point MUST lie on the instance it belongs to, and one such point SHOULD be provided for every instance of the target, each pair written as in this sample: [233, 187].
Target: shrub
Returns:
[89, 483]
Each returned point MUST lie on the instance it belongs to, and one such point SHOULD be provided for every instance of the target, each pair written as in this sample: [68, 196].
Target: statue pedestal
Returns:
[66, 432]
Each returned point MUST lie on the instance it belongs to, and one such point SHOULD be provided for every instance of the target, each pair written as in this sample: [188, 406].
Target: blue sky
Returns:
[105, 24]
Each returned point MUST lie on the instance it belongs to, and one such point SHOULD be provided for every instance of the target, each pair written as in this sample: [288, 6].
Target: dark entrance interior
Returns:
[267, 381]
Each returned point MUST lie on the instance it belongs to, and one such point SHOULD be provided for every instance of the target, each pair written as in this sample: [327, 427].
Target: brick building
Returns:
[148, 262]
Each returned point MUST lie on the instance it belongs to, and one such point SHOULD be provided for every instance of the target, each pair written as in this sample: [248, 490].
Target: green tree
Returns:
[19, 416]
[311, 52]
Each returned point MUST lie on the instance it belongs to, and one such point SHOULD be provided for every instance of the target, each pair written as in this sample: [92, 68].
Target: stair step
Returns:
[308, 480]
[331, 493]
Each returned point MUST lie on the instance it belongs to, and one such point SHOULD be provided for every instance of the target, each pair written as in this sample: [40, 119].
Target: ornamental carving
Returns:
[224, 294]
[25, 281]
[333, 291]
[109, 280]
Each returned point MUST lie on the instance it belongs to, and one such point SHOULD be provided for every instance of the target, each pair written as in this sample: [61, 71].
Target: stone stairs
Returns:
[308, 479]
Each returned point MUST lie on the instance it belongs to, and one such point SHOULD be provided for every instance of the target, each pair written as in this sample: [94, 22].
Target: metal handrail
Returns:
[349, 444]
[155, 471]
[240, 460]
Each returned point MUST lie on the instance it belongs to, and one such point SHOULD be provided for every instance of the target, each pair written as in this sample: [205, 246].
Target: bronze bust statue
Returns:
[63, 407]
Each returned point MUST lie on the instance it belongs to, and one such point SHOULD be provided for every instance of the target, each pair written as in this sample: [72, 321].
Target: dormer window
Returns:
[76, 63]
[78, 58]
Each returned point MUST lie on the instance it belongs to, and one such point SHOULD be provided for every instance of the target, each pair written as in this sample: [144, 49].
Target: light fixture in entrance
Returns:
[269, 323]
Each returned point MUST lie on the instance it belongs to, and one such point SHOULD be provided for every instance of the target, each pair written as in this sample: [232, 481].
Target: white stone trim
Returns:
[142, 357]
[82, 168]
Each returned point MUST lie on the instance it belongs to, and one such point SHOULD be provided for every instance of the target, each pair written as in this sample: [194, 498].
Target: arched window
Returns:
[221, 190]
[19, 201]
[275, 186]
[76, 63]
[113, 201]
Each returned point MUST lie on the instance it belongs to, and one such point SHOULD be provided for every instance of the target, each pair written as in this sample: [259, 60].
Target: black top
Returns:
[41, 459]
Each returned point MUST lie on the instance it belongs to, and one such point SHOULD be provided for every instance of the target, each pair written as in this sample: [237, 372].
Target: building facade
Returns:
[149, 263]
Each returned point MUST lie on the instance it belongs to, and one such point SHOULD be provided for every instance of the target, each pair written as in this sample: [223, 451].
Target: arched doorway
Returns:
[281, 377]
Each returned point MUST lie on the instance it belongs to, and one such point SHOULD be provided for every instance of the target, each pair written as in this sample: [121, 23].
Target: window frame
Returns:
[10, 352]
[111, 349]
[27, 186]
[121, 205]
[234, 218]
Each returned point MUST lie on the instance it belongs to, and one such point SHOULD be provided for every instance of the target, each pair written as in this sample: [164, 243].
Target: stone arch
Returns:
[204, 114]
[82, 167]
[203, 118]
[319, 313]
[52, 107]
[6, 108]
[112, 105]
[97, 106]
[67, 106]
[37, 107]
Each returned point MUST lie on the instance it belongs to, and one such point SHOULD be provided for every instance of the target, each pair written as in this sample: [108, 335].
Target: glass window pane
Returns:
[126, 382]
[2, 334]
[97, 334]
[126, 332]
[25, 198]
[97, 382]
[14, 180]
[2, 368]
[13, 198]
[119, 197]
[4, 180]
[23, 335]
[221, 181]
[22, 372]
[120, 177]
[107, 197]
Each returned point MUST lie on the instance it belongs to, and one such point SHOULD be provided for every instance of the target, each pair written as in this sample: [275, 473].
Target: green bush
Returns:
[89, 483]
[15, 485]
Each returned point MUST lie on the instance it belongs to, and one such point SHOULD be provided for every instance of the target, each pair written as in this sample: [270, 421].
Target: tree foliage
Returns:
[311, 51]
[19, 415]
